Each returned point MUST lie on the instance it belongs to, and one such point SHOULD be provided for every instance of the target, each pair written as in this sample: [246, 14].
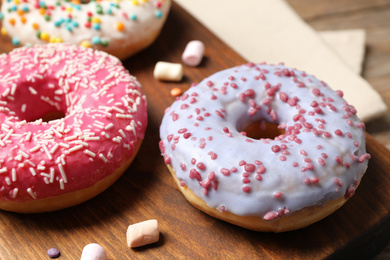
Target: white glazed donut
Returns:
[267, 184]
[52, 165]
[121, 28]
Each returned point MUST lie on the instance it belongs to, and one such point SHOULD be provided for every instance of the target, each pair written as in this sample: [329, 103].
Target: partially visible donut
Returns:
[45, 166]
[121, 28]
[269, 184]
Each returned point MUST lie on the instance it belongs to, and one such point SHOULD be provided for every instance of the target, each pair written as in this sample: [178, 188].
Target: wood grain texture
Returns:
[146, 191]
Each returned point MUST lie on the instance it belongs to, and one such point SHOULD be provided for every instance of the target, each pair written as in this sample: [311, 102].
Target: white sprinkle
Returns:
[15, 193]
[54, 148]
[122, 133]
[116, 140]
[23, 108]
[3, 170]
[8, 180]
[25, 155]
[35, 148]
[47, 152]
[77, 147]
[8, 135]
[30, 162]
[103, 158]
[62, 186]
[62, 172]
[6, 92]
[33, 172]
[108, 126]
[123, 115]
[90, 153]
[52, 172]
[57, 133]
[32, 90]
[28, 136]
[64, 145]
[29, 190]
[14, 177]
[118, 109]
[91, 138]
[72, 137]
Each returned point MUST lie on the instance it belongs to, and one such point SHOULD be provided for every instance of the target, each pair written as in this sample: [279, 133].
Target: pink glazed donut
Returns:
[49, 163]
[269, 184]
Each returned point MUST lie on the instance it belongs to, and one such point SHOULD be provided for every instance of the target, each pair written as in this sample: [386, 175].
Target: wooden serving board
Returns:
[146, 191]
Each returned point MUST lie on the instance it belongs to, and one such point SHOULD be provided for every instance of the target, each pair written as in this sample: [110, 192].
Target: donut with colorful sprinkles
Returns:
[71, 121]
[120, 28]
[297, 177]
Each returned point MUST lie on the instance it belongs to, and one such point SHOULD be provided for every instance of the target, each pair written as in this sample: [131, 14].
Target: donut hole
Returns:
[52, 115]
[262, 129]
[39, 101]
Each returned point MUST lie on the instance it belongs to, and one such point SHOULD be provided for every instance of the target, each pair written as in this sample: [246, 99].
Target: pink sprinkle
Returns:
[233, 169]
[167, 159]
[242, 162]
[195, 174]
[339, 93]
[187, 135]
[278, 194]
[271, 215]
[275, 148]
[338, 159]
[183, 166]
[249, 92]
[246, 180]
[257, 162]
[260, 169]
[225, 171]
[246, 189]
[282, 158]
[321, 161]
[219, 113]
[283, 96]
[222, 208]
[249, 167]
[349, 193]
[316, 92]
[201, 166]
[310, 166]
[338, 132]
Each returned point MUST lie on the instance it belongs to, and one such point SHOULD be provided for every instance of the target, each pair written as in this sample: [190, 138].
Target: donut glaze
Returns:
[319, 158]
[120, 28]
[103, 125]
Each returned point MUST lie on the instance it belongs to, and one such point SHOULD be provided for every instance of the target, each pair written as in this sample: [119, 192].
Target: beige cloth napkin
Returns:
[269, 30]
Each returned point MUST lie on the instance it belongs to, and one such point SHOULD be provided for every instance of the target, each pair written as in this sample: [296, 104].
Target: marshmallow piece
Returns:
[168, 71]
[193, 53]
[93, 251]
[142, 233]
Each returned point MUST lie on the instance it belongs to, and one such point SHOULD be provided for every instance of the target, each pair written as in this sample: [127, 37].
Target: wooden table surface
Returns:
[187, 233]
[374, 17]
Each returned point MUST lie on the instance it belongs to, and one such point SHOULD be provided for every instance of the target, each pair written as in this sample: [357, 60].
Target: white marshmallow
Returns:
[193, 53]
[142, 233]
[93, 251]
[168, 71]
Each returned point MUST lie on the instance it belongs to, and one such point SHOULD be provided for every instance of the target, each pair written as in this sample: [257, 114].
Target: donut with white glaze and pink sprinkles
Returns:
[72, 120]
[279, 183]
[120, 28]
